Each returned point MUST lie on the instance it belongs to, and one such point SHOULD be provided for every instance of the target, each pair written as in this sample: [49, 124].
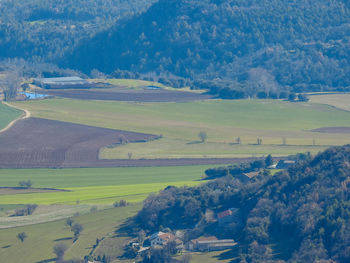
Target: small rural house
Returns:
[161, 239]
[209, 244]
[228, 216]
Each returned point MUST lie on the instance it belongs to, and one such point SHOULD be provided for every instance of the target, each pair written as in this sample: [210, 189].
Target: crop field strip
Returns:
[223, 121]
[128, 95]
[36, 142]
[96, 185]
[56, 144]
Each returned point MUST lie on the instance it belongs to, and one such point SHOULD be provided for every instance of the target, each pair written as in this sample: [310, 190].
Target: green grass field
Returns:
[131, 83]
[140, 84]
[42, 237]
[8, 114]
[223, 121]
[96, 185]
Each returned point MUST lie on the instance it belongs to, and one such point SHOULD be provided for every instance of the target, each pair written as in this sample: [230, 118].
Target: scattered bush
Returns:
[28, 210]
[25, 184]
[22, 236]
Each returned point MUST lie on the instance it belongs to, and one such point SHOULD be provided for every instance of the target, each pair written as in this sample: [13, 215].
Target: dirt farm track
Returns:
[42, 143]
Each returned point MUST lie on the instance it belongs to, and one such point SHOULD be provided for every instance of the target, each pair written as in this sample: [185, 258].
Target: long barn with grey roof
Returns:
[63, 83]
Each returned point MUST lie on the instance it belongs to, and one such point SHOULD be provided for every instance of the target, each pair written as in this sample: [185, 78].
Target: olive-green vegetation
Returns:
[8, 114]
[275, 122]
[45, 236]
[96, 185]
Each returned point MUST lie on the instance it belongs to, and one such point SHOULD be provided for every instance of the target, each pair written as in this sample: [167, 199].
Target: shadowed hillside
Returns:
[262, 45]
[299, 215]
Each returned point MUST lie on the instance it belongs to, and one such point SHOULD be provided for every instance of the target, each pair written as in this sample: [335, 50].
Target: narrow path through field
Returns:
[26, 115]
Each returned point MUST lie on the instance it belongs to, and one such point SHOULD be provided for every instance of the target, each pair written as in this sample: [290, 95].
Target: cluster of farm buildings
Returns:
[201, 244]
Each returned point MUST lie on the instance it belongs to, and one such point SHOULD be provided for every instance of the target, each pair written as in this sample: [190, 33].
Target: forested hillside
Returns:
[44, 30]
[298, 215]
[265, 45]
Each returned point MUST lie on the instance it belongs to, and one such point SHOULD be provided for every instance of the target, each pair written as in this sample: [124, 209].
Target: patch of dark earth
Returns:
[36, 143]
[129, 95]
[332, 130]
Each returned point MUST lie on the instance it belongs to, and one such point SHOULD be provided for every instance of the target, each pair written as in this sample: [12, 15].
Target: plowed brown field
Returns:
[36, 142]
[42, 143]
[129, 95]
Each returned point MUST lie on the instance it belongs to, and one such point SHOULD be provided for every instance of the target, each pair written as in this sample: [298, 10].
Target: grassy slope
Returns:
[223, 121]
[340, 101]
[42, 237]
[7, 115]
[97, 185]
[131, 83]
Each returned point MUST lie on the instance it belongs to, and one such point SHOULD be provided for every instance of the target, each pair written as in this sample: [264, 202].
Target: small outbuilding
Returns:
[284, 164]
[228, 216]
[210, 243]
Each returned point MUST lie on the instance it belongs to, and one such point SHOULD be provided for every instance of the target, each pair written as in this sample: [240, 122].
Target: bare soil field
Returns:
[129, 95]
[36, 142]
[333, 130]
[42, 143]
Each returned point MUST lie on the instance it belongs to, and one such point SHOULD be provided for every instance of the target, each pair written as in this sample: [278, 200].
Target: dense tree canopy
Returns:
[236, 49]
[306, 205]
[254, 45]
[45, 29]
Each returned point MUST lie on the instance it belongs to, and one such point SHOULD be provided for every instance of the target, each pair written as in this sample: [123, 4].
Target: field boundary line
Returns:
[26, 115]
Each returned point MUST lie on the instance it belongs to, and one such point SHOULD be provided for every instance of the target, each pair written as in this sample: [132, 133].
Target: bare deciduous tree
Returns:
[59, 250]
[284, 141]
[77, 229]
[202, 136]
[10, 84]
